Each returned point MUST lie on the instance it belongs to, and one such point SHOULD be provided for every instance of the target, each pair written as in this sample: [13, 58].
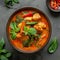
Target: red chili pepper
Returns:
[54, 4]
[58, 1]
[28, 14]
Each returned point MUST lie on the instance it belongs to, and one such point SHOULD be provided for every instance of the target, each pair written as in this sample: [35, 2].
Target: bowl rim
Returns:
[48, 5]
[25, 8]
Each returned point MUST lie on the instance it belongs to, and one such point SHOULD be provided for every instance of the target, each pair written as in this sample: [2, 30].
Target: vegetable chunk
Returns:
[40, 26]
[36, 16]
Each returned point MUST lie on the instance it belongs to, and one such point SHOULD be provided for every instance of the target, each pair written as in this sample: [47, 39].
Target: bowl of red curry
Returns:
[53, 5]
[28, 30]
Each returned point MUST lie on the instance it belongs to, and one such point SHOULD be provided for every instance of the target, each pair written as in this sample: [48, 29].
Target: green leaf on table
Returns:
[16, 1]
[53, 46]
[7, 1]
[2, 57]
[2, 43]
[3, 51]
[10, 3]
[7, 55]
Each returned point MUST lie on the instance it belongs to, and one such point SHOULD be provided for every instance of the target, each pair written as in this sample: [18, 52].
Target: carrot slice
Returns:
[22, 27]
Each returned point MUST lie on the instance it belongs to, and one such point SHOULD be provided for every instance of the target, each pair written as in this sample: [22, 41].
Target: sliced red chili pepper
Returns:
[57, 1]
[54, 4]
[28, 14]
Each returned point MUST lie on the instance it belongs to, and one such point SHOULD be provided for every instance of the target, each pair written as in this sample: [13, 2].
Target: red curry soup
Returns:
[28, 30]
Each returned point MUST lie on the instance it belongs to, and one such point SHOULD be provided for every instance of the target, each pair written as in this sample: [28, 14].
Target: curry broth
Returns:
[18, 44]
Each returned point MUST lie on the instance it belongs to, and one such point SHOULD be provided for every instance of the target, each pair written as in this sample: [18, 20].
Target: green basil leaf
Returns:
[6, 1]
[4, 51]
[19, 19]
[3, 57]
[7, 55]
[17, 30]
[53, 46]
[13, 35]
[2, 43]
[26, 43]
[25, 29]
[16, 1]
[9, 3]
[32, 31]
[14, 27]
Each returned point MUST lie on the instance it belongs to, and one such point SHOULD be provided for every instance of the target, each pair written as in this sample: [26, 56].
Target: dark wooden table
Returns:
[55, 22]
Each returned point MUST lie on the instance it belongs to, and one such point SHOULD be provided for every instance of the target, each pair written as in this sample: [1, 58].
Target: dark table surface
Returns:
[55, 22]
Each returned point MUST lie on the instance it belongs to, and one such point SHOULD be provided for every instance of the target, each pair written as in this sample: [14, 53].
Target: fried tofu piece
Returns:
[19, 25]
[36, 16]
[40, 26]
[28, 18]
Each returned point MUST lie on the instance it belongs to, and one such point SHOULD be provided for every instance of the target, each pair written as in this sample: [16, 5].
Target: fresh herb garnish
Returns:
[14, 27]
[4, 54]
[19, 19]
[26, 30]
[10, 3]
[53, 46]
[30, 31]
[26, 43]
[13, 34]
[14, 30]
[15, 1]
[31, 23]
